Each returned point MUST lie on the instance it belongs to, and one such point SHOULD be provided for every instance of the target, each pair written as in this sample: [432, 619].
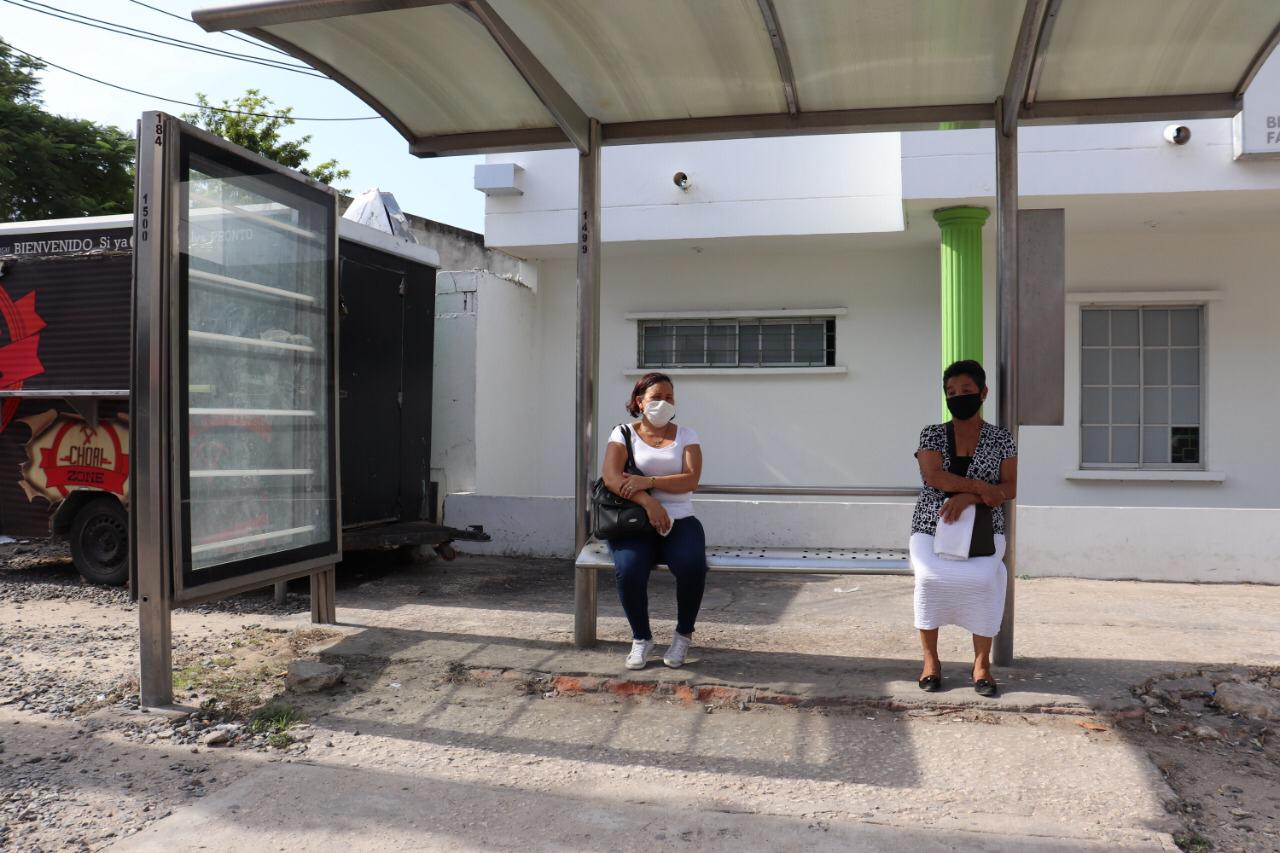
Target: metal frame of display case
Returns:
[159, 446]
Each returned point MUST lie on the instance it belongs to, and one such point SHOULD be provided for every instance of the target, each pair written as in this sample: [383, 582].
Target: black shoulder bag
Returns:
[983, 543]
[613, 516]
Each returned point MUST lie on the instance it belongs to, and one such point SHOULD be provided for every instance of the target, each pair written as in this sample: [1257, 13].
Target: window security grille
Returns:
[1142, 387]
[732, 343]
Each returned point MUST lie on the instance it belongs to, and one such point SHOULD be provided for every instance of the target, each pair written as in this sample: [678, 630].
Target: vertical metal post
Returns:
[324, 596]
[280, 592]
[584, 611]
[149, 510]
[1007, 299]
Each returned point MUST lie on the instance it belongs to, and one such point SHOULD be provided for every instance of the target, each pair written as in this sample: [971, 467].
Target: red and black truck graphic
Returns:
[64, 380]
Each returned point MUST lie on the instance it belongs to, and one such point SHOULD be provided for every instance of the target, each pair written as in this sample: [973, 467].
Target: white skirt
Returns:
[968, 593]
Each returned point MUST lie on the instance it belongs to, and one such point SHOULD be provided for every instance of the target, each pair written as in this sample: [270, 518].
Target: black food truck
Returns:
[65, 301]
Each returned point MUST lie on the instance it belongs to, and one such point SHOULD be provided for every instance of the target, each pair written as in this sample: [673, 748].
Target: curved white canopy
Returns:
[489, 75]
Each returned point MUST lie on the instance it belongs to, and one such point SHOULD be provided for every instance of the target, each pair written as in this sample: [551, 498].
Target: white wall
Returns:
[487, 356]
[1142, 215]
[507, 404]
[1109, 159]
[1170, 544]
[759, 426]
[749, 187]
[860, 427]
[453, 406]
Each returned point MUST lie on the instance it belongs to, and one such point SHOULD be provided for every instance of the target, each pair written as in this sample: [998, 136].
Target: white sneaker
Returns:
[677, 651]
[640, 651]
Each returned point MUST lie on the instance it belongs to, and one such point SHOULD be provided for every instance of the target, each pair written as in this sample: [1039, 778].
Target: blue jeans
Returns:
[684, 550]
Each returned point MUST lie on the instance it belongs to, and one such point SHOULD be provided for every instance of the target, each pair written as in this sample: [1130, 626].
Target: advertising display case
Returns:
[235, 368]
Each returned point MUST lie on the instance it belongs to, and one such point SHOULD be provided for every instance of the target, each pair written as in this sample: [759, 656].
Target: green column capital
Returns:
[945, 216]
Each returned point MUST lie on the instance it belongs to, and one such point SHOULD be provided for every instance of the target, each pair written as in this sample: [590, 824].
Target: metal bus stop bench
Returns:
[595, 557]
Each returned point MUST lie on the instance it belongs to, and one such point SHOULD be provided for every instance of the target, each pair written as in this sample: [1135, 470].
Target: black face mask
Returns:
[964, 406]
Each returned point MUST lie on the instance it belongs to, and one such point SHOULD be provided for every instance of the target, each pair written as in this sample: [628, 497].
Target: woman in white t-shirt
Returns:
[670, 457]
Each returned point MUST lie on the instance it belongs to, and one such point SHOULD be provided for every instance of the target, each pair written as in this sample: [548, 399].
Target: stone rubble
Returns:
[1227, 786]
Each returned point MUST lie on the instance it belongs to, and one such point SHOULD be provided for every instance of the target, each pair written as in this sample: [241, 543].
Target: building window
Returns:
[754, 342]
[1142, 387]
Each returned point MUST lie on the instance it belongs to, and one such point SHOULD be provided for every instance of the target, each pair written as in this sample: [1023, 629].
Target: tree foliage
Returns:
[52, 166]
[254, 123]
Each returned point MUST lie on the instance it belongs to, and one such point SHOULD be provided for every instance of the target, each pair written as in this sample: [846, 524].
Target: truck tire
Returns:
[100, 542]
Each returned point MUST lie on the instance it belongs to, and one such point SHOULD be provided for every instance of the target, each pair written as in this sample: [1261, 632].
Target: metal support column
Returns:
[584, 609]
[1007, 298]
[149, 542]
[324, 596]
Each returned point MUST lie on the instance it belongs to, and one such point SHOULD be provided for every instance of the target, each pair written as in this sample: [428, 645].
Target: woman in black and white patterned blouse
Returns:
[968, 593]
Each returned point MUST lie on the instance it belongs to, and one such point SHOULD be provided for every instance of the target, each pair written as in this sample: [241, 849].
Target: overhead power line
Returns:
[184, 103]
[134, 32]
[186, 20]
[169, 41]
[90, 20]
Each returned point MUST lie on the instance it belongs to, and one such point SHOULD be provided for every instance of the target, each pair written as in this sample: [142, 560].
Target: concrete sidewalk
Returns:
[470, 723]
[321, 808]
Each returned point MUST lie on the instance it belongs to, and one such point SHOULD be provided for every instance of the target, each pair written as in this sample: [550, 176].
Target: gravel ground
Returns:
[41, 570]
[79, 766]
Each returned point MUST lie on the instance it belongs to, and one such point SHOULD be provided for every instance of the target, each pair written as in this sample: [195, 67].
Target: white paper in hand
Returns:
[951, 540]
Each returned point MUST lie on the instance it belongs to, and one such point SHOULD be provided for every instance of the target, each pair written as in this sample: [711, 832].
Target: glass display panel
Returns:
[256, 380]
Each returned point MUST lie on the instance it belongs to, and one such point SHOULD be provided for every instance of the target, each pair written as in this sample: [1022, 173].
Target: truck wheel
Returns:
[100, 542]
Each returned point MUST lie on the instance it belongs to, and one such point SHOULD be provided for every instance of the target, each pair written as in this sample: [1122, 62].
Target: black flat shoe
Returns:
[931, 683]
[984, 687]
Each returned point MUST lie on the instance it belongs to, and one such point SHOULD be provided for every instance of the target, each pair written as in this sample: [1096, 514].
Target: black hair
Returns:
[642, 385]
[969, 368]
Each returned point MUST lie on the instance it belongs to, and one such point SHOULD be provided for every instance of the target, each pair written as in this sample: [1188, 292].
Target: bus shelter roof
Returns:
[468, 76]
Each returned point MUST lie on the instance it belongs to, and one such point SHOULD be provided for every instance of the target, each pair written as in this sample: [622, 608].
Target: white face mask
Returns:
[659, 412]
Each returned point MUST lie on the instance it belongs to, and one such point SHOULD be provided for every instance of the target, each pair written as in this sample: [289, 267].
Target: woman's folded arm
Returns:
[944, 481]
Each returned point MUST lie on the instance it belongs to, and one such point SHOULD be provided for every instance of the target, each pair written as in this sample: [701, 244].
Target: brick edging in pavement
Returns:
[720, 694]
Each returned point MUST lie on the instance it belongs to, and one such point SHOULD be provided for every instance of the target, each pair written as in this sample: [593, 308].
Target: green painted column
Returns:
[961, 283]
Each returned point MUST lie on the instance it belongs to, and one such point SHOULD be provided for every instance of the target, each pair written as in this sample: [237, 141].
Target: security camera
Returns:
[681, 180]
[1177, 134]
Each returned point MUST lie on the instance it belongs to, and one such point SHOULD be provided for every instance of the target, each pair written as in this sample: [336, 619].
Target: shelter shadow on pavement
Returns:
[1083, 644]
[1064, 685]
[541, 585]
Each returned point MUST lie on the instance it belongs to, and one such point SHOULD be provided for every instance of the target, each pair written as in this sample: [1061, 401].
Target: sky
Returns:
[377, 156]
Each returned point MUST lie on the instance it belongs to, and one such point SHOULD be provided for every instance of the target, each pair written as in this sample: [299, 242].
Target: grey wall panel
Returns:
[1041, 316]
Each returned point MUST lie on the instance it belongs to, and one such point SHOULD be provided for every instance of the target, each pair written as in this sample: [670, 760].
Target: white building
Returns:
[1163, 469]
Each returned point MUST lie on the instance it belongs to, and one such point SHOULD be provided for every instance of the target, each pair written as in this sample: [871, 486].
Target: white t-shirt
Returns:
[662, 462]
